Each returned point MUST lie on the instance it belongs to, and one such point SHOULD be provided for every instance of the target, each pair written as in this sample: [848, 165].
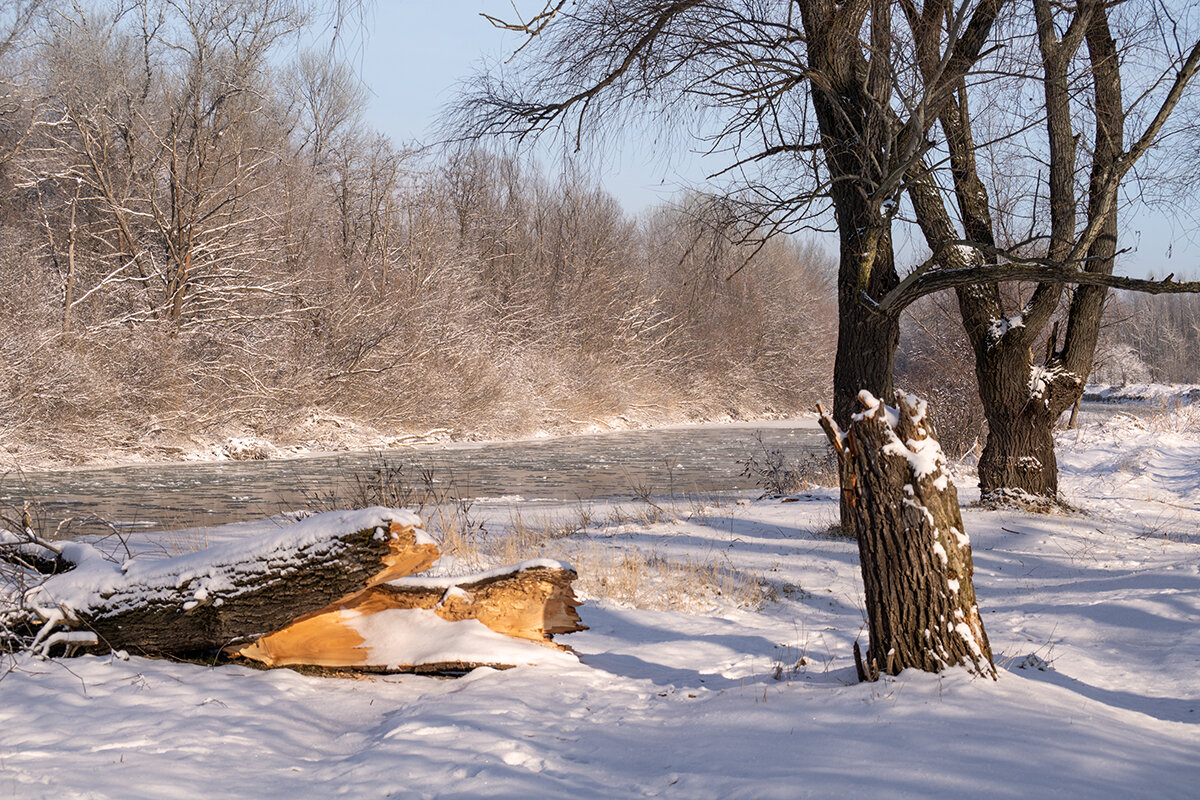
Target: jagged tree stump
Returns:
[915, 557]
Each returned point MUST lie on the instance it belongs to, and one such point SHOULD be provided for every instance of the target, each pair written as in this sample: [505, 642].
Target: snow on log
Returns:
[233, 592]
[902, 504]
[31, 554]
[488, 618]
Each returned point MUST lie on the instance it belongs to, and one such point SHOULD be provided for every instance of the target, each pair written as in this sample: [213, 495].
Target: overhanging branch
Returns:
[923, 281]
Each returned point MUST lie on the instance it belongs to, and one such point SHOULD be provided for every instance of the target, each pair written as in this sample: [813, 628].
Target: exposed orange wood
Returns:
[533, 603]
[407, 555]
[320, 640]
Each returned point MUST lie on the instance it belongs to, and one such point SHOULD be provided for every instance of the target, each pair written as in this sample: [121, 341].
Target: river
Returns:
[684, 459]
[617, 465]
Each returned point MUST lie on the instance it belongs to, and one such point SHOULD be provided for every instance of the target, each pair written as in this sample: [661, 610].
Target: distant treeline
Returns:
[1150, 339]
[197, 242]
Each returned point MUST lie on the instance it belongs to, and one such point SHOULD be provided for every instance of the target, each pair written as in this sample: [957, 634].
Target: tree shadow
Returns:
[1167, 709]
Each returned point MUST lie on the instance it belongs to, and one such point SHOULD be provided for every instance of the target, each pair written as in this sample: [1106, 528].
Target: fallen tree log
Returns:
[199, 603]
[409, 622]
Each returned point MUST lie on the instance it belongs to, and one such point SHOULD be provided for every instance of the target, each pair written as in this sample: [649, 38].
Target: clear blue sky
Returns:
[415, 53]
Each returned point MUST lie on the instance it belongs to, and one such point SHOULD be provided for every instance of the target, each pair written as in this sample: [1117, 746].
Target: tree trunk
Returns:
[198, 603]
[1018, 461]
[915, 558]
[1022, 401]
[531, 601]
[866, 351]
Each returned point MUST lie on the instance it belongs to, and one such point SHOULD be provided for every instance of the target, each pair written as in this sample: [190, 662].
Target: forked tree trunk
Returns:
[915, 557]
[1023, 399]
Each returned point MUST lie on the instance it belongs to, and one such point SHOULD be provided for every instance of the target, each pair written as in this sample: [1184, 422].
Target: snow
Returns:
[96, 580]
[870, 402]
[1042, 378]
[448, 581]
[925, 457]
[408, 637]
[1094, 618]
[1000, 327]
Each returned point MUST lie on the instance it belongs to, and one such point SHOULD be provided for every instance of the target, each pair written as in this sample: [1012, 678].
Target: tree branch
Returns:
[923, 281]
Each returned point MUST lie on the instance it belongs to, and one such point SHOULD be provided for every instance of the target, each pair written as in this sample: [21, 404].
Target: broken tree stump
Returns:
[376, 628]
[913, 551]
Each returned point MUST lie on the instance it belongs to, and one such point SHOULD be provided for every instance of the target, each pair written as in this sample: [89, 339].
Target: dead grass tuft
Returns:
[1176, 417]
[654, 581]
[780, 476]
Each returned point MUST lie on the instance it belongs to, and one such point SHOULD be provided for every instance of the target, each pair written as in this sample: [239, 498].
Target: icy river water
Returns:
[609, 465]
[617, 465]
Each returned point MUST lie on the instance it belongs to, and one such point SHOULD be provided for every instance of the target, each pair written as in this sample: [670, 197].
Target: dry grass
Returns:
[780, 476]
[1176, 417]
[651, 580]
[608, 568]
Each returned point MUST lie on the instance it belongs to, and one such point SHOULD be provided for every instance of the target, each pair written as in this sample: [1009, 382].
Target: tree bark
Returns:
[1018, 462]
[915, 558]
[196, 604]
[1022, 401]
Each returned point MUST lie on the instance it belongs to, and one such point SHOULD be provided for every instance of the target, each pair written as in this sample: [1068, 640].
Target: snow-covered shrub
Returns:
[1119, 364]
[1159, 332]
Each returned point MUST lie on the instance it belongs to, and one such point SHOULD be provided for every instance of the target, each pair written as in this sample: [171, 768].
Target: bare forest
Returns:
[200, 239]
[1150, 340]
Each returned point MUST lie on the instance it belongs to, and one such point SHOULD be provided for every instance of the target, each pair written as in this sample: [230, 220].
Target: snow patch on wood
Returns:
[98, 583]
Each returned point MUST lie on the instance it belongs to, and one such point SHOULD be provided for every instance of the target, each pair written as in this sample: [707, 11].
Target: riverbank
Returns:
[683, 458]
[1153, 394]
[322, 434]
[719, 664]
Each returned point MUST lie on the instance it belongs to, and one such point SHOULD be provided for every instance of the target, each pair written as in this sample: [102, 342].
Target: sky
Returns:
[415, 53]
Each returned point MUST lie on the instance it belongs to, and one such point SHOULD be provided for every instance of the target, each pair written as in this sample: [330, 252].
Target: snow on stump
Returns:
[915, 558]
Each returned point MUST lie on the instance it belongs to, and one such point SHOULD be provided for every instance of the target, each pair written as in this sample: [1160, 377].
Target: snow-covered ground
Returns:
[1094, 617]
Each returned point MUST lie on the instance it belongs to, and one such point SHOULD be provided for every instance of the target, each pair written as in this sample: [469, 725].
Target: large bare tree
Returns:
[815, 108]
[818, 105]
[1027, 375]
